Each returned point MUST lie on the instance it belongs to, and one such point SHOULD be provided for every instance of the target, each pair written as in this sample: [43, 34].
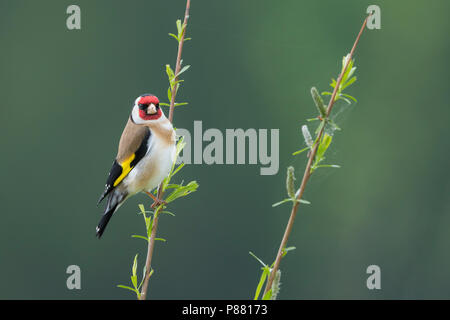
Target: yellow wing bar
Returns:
[126, 168]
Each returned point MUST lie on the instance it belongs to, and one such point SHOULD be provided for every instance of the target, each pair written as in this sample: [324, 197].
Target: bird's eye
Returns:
[142, 106]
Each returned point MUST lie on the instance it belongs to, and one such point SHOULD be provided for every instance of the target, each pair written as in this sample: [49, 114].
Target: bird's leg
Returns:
[156, 201]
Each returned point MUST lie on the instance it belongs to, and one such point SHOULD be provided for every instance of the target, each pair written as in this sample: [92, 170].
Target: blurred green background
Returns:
[66, 95]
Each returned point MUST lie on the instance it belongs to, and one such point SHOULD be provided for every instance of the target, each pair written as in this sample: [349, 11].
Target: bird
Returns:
[145, 156]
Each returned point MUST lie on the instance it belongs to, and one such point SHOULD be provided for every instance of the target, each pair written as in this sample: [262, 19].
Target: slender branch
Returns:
[307, 173]
[151, 242]
[178, 64]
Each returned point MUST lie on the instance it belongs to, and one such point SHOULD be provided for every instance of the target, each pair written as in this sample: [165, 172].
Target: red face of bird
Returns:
[146, 110]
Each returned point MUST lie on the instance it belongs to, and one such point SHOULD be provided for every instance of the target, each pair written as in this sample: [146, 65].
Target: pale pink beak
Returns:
[151, 109]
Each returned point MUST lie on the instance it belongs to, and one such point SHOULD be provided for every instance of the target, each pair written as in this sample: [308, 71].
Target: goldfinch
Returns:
[145, 156]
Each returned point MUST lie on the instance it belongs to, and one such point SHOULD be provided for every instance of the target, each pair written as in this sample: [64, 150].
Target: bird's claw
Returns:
[156, 202]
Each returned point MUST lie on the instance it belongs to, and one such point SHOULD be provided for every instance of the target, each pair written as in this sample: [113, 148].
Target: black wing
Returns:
[120, 170]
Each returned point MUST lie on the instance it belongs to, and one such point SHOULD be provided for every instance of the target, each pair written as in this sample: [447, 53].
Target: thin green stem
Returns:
[307, 173]
[151, 242]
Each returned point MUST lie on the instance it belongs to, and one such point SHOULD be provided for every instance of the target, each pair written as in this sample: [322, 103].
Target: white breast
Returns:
[152, 169]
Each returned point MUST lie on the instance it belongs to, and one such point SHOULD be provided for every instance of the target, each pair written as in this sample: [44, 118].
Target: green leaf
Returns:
[300, 151]
[177, 169]
[146, 219]
[349, 96]
[179, 28]
[286, 250]
[262, 279]
[169, 94]
[340, 97]
[126, 287]
[258, 259]
[182, 191]
[134, 281]
[160, 239]
[177, 81]
[183, 70]
[179, 104]
[333, 82]
[140, 237]
[172, 35]
[134, 264]
[169, 213]
[352, 70]
[328, 166]
[291, 200]
[318, 102]
[148, 224]
[138, 294]
[348, 70]
[323, 146]
[348, 83]
[281, 202]
[146, 211]
[268, 295]
[143, 277]
[170, 72]
[319, 127]
[334, 125]
[171, 186]
[134, 275]
[179, 148]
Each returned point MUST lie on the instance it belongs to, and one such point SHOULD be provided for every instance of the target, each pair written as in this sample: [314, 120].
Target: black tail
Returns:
[114, 200]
